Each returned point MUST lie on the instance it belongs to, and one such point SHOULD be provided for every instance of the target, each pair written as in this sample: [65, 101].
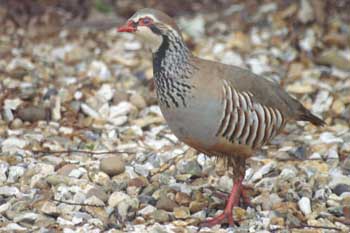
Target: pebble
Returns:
[116, 197]
[189, 167]
[334, 58]
[14, 173]
[89, 111]
[137, 100]
[105, 93]
[12, 143]
[9, 191]
[305, 205]
[341, 188]
[181, 212]
[95, 201]
[13, 227]
[306, 13]
[97, 192]
[99, 69]
[50, 208]
[149, 209]
[66, 169]
[197, 206]
[128, 205]
[329, 138]
[33, 114]
[113, 165]
[182, 198]
[263, 170]
[165, 203]
[26, 217]
[160, 216]
[3, 171]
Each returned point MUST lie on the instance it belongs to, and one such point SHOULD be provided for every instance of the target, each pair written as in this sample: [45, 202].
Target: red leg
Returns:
[232, 201]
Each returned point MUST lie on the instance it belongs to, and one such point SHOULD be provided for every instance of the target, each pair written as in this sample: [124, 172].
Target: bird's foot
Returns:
[219, 220]
[244, 196]
[236, 192]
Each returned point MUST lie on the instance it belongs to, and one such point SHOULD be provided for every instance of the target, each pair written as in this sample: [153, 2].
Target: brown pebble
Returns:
[138, 182]
[33, 114]
[182, 199]
[166, 203]
[112, 165]
[66, 169]
[138, 101]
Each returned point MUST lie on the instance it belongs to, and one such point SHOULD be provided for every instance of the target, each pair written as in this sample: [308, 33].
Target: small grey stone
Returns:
[58, 179]
[346, 162]
[44, 221]
[337, 211]
[116, 198]
[263, 170]
[143, 169]
[160, 216]
[16, 208]
[13, 227]
[77, 173]
[147, 210]
[189, 167]
[3, 170]
[137, 100]
[50, 208]
[66, 169]
[166, 203]
[33, 114]
[225, 183]
[75, 106]
[341, 188]
[112, 165]
[125, 206]
[15, 172]
[288, 173]
[26, 217]
[4, 207]
[93, 200]
[54, 160]
[98, 192]
[9, 191]
[146, 199]
[272, 200]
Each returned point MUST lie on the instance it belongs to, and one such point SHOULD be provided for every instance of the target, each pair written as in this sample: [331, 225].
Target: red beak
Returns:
[129, 27]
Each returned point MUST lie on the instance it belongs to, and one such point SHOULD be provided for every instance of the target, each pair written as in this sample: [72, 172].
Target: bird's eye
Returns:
[146, 21]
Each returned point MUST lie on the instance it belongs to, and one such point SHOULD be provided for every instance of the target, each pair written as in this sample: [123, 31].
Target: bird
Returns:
[220, 110]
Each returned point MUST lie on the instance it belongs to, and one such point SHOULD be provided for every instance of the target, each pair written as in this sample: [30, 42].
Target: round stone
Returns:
[112, 165]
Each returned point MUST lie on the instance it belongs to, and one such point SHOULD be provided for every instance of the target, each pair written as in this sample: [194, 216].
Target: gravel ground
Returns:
[84, 147]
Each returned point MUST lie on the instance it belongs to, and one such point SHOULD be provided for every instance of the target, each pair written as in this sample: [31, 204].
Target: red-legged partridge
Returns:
[220, 110]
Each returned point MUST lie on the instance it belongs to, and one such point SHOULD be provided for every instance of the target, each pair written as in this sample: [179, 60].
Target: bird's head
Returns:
[151, 26]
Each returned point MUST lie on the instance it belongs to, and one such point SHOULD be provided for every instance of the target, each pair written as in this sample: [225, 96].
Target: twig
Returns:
[81, 151]
[315, 227]
[307, 159]
[77, 204]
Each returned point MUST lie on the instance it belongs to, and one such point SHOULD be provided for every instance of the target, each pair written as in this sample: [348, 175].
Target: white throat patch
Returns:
[152, 40]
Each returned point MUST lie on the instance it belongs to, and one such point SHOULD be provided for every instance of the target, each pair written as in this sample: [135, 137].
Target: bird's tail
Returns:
[306, 115]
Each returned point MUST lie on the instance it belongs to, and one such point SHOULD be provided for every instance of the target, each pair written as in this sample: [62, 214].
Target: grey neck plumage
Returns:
[172, 70]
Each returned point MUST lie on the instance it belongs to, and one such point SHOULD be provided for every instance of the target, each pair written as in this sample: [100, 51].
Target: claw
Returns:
[233, 200]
